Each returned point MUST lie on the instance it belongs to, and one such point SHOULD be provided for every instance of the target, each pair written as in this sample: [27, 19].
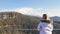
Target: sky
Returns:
[32, 7]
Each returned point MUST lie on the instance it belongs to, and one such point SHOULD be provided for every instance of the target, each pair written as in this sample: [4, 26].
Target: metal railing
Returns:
[22, 31]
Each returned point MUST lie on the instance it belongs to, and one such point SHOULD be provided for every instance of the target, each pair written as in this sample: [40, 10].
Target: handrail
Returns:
[22, 29]
[18, 28]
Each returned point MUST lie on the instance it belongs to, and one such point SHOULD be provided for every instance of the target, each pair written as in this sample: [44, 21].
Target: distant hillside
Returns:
[56, 19]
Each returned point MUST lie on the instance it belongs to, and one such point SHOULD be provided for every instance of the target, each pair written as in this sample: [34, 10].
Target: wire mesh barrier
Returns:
[24, 31]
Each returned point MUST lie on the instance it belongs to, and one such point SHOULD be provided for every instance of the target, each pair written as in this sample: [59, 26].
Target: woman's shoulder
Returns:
[43, 20]
[47, 21]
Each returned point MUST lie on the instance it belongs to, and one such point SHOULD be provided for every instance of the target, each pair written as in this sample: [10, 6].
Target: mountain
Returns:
[20, 21]
[56, 19]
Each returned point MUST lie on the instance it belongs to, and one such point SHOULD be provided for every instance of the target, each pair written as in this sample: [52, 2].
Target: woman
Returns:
[45, 26]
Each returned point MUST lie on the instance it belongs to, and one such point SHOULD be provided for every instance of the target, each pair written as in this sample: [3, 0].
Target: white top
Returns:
[45, 28]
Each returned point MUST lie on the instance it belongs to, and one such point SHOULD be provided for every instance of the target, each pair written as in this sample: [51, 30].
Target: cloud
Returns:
[31, 11]
[7, 10]
[26, 11]
[35, 11]
[23, 10]
[53, 12]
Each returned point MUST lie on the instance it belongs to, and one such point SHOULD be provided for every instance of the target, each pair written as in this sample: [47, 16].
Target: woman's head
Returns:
[46, 19]
[45, 16]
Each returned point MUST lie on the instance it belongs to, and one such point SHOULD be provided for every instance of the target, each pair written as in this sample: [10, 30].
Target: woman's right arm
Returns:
[39, 27]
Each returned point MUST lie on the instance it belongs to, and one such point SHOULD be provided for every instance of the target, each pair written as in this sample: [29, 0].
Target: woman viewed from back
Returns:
[45, 26]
